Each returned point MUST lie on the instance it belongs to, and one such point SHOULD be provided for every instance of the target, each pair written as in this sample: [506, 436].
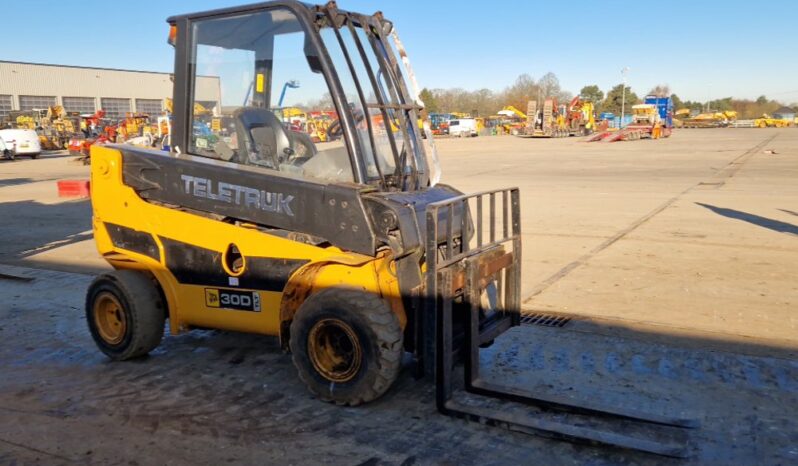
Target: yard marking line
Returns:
[36, 450]
[723, 174]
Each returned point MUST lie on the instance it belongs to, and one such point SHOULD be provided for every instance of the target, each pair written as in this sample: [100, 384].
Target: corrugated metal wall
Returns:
[65, 81]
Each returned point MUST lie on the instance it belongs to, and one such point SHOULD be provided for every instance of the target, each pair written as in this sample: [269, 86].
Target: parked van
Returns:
[463, 127]
[5, 151]
[22, 141]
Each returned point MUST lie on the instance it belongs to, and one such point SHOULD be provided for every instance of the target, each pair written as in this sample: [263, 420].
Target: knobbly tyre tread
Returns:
[145, 309]
[374, 317]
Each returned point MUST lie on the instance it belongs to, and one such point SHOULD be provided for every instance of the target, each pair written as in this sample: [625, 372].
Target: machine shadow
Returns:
[29, 227]
[764, 222]
[16, 181]
[251, 388]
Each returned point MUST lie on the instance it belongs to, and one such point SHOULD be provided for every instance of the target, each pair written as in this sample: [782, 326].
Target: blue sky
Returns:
[702, 49]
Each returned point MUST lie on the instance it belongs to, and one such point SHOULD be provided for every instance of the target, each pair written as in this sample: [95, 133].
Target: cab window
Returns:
[274, 109]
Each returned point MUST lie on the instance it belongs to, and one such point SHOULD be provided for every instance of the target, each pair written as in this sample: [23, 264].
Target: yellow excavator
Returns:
[767, 121]
[707, 119]
[511, 110]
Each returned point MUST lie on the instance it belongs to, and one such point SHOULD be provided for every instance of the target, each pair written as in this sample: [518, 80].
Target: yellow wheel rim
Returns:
[109, 318]
[334, 350]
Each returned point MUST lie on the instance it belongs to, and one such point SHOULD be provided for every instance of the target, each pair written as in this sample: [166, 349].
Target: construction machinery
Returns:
[580, 119]
[709, 119]
[544, 122]
[767, 121]
[439, 123]
[650, 120]
[53, 125]
[511, 111]
[352, 255]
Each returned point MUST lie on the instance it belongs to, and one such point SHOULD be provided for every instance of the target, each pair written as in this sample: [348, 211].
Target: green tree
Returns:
[762, 100]
[721, 105]
[614, 100]
[429, 100]
[592, 93]
[677, 102]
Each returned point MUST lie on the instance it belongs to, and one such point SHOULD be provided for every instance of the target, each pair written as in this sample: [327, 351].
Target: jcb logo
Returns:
[212, 298]
[232, 299]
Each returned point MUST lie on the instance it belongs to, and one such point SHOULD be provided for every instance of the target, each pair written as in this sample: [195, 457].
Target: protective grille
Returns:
[545, 320]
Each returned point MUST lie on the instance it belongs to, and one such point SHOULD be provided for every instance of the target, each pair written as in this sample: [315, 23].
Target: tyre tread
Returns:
[390, 343]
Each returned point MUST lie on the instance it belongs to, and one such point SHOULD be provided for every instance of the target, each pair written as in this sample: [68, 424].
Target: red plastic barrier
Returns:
[74, 188]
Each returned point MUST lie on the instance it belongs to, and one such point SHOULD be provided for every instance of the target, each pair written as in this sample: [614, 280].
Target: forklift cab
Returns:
[235, 62]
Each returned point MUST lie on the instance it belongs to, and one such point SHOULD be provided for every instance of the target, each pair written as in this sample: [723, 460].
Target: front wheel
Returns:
[125, 313]
[347, 346]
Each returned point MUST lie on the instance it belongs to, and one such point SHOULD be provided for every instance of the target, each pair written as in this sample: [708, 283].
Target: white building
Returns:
[28, 86]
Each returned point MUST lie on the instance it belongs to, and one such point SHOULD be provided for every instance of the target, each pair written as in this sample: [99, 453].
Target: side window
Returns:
[260, 98]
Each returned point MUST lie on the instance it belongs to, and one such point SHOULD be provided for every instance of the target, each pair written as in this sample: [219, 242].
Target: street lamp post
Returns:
[624, 71]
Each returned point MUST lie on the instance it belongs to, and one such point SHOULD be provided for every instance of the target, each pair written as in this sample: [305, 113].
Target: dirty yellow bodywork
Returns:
[192, 305]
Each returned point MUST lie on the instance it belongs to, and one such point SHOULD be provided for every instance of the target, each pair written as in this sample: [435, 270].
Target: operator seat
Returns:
[262, 138]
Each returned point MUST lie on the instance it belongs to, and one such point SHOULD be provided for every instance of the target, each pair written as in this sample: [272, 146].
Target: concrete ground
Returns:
[695, 232]
[676, 259]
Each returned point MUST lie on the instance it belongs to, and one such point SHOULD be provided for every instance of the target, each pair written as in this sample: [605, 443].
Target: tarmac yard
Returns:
[675, 260]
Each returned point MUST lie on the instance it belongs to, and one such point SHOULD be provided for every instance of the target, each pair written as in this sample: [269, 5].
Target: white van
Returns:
[463, 127]
[5, 151]
[22, 141]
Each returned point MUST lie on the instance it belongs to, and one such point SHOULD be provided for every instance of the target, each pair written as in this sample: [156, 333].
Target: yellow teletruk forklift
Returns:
[346, 249]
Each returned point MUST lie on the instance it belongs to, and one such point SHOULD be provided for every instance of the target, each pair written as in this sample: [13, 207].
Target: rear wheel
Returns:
[346, 345]
[34, 156]
[125, 313]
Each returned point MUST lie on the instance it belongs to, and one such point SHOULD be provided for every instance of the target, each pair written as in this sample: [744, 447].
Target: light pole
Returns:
[624, 71]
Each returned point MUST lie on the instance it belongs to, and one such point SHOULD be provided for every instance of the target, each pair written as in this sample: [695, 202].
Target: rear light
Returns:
[172, 35]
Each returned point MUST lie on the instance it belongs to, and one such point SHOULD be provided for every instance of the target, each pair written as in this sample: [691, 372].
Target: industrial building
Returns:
[29, 86]
[785, 113]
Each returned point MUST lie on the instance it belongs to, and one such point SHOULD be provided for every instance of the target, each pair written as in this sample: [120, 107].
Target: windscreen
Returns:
[388, 124]
[261, 98]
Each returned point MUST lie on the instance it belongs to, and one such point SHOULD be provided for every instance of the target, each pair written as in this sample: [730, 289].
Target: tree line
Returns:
[485, 102]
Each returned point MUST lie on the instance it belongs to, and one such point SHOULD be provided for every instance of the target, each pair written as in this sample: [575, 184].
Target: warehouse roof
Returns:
[784, 110]
[82, 67]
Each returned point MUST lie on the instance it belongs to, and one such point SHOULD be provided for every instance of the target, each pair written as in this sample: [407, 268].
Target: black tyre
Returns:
[34, 156]
[347, 346]
[125, 313]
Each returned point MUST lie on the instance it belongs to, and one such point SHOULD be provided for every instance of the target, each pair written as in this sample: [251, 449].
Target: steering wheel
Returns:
[302, 148]
[335, 130]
